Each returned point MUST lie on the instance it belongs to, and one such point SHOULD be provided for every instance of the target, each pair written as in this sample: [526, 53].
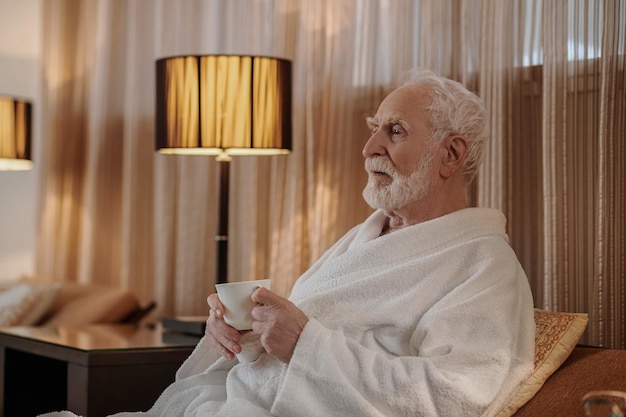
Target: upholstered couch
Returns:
[565, 371]
[586, 369]
[36, 301]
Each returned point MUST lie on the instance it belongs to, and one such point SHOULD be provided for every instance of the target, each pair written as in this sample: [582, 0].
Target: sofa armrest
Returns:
[586, 369]
[78, 304]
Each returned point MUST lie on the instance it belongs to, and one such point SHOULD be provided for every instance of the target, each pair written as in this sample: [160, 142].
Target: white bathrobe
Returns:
[435, 319]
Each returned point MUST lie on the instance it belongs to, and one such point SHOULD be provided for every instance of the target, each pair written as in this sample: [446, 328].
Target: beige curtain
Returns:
[115, 212]
[554, 84]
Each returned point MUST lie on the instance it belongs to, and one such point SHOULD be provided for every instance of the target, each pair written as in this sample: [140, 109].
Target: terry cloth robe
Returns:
[435, 319]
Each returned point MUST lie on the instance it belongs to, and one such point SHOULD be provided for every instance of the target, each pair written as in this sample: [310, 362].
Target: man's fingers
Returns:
[265, 297]
[226, 338]
[215, 305]
[227, 354]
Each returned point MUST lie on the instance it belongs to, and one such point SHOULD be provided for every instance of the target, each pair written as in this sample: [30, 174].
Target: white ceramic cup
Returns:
[236, 299]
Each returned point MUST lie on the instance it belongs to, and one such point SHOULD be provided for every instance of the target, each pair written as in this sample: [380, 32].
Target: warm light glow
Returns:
[223, 105]
[218, 151]
[14, 134]
[15, 164]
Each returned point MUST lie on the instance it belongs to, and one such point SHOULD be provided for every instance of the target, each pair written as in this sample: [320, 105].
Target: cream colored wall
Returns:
[20, 75]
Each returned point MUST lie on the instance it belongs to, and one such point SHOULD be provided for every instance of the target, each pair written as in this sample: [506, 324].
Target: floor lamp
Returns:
[15, 134]
[225, 106]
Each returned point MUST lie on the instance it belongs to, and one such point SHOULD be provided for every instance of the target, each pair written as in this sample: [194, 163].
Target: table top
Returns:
[96, 336]
[83, 344]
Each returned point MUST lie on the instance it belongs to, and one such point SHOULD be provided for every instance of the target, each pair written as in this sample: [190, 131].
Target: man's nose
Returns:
[374, 146]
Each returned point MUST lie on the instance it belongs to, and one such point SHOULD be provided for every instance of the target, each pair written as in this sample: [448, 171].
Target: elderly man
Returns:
[422, 310]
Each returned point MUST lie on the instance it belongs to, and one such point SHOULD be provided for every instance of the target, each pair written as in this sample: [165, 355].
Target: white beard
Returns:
[402, 190]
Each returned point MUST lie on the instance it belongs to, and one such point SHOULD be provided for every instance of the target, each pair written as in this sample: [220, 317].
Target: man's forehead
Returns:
[403, 102]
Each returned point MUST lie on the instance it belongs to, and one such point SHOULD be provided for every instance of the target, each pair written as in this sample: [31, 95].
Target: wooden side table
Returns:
[93, 370]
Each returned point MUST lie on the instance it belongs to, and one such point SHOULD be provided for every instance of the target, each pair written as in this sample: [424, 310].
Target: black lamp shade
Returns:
[15, 134]
[223, 105]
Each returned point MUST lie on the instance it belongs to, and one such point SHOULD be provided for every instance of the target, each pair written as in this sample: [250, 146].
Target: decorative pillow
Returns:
[556, 335]
[24, 304]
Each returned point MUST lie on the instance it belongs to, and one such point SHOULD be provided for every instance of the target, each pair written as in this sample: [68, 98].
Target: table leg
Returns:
[3, 381]
[78, 389]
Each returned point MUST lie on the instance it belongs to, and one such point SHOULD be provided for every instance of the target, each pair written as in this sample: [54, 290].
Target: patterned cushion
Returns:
[556, 335]
[24, 304]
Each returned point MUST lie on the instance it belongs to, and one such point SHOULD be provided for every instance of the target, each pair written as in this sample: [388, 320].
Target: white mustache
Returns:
[380, 164]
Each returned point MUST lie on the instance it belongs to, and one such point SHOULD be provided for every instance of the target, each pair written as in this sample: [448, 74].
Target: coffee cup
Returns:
[235, 296]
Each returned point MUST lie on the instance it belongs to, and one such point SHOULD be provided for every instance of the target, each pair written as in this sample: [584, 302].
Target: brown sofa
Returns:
[586, 369]
[35, 301]
[565, 371]
[78, 304]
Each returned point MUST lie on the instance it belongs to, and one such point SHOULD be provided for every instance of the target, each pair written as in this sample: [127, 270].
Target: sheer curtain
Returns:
[115, 212]
[554, 85]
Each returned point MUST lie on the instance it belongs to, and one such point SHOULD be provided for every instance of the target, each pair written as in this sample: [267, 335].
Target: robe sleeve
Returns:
[202, 357]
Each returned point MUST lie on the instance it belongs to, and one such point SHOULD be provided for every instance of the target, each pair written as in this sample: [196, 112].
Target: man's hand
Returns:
[222, 337]
[278, 321]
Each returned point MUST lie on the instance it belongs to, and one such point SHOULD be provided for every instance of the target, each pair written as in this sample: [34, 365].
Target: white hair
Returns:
[454, 110]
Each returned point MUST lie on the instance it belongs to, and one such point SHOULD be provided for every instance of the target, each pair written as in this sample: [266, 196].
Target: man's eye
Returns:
[395, 130]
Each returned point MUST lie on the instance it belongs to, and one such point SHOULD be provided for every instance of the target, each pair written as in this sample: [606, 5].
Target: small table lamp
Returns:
[15, 134]
[223, 105]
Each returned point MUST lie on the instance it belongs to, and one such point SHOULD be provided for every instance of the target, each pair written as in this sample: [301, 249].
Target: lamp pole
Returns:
[221, 234]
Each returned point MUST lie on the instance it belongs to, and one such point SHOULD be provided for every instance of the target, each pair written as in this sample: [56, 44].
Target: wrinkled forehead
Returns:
[405, 103]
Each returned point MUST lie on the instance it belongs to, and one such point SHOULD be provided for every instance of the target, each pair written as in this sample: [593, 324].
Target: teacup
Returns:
[235, 296]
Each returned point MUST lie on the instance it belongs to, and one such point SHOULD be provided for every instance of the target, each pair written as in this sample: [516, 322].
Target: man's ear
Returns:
[456, 148]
